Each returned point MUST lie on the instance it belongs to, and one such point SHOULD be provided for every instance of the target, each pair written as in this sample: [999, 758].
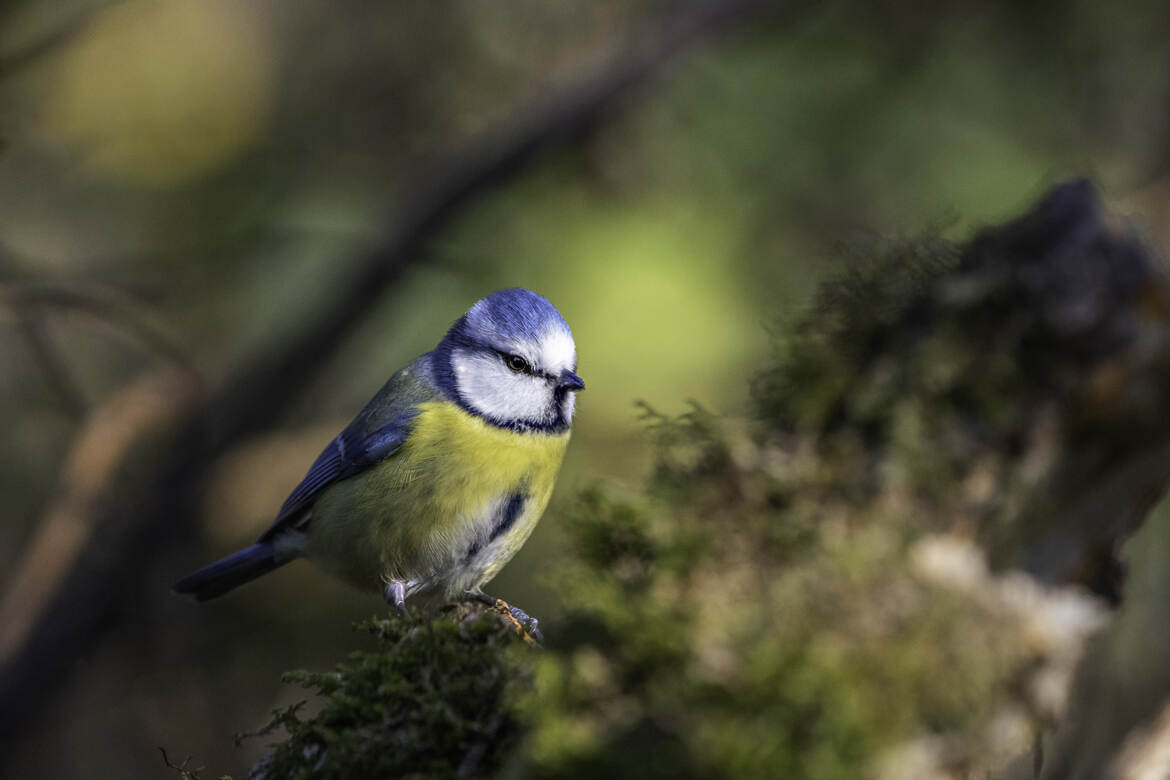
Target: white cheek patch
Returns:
[489, 387]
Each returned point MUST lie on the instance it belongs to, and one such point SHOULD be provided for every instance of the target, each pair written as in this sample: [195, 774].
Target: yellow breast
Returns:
[415, 515]
[478, 459]
[472, 466]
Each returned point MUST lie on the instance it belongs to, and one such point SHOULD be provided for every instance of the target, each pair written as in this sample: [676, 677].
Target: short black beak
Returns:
[570, 381]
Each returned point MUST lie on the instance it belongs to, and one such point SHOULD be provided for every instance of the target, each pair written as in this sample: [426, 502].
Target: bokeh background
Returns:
[217, 166]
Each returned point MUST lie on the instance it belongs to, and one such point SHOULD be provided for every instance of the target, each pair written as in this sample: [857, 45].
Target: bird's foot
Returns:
[526, 625]
[395, 595]
[531, 624]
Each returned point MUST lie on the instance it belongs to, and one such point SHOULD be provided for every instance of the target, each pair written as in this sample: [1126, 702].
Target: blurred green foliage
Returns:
[225, 162]
[729, 625]
[764, 607]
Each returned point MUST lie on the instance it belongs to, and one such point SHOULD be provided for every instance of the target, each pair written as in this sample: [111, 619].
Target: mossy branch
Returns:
[891, 566]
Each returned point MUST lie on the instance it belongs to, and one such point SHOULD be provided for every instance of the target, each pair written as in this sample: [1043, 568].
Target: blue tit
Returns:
[441, 478]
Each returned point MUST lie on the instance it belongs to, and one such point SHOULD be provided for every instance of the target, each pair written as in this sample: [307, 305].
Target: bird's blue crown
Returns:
[515, 314]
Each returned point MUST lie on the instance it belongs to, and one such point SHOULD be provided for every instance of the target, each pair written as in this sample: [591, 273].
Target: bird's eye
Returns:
[517, 364]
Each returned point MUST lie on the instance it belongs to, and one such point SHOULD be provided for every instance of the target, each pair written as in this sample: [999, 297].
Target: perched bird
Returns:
[440, 479]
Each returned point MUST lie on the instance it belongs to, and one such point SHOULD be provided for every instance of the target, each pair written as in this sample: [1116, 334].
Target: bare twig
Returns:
[186, 772]
[279, 718]
[151, 507]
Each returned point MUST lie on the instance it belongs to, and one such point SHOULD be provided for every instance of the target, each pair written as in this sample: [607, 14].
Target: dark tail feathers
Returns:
[229, 573]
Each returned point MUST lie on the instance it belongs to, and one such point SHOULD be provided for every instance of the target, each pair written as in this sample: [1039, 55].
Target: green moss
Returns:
[752, 670]
[835, 365]
[763, 608]
[432, 699]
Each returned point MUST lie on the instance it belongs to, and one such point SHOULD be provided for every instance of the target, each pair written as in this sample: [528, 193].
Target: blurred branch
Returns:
[13, 62]
[101, 448]
[1145, 754]
[48, 356]
[147, 507]
[127, 315]
[442, 194]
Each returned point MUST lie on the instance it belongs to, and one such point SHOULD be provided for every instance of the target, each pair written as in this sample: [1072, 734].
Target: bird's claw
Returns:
[396, 596]
[523, 620]
[531, 624]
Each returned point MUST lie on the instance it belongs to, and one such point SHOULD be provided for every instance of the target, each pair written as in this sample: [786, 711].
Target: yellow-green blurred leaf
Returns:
[156, 94]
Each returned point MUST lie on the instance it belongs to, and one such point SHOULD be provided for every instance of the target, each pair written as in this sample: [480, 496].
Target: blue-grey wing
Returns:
[350, 453]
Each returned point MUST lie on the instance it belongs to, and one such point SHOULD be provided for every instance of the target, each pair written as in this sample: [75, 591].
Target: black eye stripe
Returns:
[516, 363]
[522, 366]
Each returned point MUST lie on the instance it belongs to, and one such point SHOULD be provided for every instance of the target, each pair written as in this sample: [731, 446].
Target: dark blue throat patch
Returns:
[504, 520]
[509, 516]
